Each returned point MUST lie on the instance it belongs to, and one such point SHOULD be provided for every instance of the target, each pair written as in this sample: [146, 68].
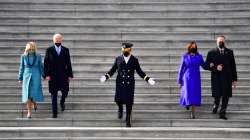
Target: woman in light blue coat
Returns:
[30, 74]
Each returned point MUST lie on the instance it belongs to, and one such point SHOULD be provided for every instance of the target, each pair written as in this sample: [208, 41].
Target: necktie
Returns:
[222, 51]
[58, 50]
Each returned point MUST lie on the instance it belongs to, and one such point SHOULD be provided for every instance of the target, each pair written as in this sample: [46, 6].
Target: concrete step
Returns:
[116, 5]
[95, 82]
[112, 114]
[139, 97]
[117, 43]
[128, 36]
[171, 61]
[149, 68]
[117, 51]
[123, 27]
[110, 138]
[139, 89]
[48, 122]
[127, 20]
[126, 13]
[100, 105]
[12, 74]
[140, 132]
[121, 2]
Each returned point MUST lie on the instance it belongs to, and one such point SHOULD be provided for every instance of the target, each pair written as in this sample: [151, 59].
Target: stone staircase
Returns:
[94, 30]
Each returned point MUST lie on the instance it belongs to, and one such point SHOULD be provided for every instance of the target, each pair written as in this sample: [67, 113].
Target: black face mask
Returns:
[221, 44]
[126, 54]
[58, 44]
[193, 50]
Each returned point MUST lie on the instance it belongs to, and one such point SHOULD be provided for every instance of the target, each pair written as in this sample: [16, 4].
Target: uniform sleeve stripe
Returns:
[108, 75]
[145, 77]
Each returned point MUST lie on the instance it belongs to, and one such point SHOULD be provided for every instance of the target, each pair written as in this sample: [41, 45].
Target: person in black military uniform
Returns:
[126, 65]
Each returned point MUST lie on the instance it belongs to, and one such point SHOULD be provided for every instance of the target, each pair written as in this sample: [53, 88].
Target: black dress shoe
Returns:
[54, 116]
[62, 106]
[215, 110]
[223, 117]
[128, 124]
[120, 115]
[187, 107]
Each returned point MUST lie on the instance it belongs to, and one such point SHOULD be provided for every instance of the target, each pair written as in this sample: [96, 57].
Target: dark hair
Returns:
[221, 36]
[189, 47]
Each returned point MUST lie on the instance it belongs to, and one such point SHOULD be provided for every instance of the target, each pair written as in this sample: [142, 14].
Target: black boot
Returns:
[128, 122]
[223, 117]
[54, 115]
[120, 114]
[120, 110]
[128, 115]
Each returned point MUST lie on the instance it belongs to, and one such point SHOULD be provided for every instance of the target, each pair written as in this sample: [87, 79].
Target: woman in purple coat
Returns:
[189, 78]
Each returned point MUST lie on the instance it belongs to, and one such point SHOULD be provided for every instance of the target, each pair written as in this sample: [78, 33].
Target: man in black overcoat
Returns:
[223, 75]
[58, 71]
[126, 65]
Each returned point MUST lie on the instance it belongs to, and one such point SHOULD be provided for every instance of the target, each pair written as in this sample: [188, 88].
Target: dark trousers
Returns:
[128, 110]
[223, 105]
[54, 100]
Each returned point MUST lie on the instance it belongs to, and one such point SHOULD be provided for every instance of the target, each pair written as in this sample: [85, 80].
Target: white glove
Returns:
[103, 79]
[151, 81]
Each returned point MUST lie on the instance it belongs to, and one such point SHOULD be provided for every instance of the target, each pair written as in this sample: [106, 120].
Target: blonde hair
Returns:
[30, 47]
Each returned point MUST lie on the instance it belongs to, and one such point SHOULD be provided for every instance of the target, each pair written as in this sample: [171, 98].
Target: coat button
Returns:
[127, 82]
[123, 82]
[128, 76]
[123, 76]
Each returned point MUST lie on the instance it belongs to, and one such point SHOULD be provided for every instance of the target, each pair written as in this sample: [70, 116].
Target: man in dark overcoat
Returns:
[223, 75]
[126, 65]
[58, 71]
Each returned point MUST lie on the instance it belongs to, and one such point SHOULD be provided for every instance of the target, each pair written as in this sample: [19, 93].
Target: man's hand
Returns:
[103, 79]
[151, 81]
[48, 78]
[70, 78]
[234, 83]
[219, 67]
[211, 65]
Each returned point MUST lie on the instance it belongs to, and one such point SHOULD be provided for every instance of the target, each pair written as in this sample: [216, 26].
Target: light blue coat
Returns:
[31, 78]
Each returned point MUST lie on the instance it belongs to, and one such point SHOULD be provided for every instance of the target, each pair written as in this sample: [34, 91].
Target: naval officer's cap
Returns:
[127, 45]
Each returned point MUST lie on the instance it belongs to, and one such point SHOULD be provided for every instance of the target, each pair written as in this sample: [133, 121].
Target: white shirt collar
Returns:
[126, 58]
[221, 49]
[58, 47]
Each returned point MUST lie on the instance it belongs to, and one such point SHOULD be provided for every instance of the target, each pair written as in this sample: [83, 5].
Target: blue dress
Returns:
[190, 79]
